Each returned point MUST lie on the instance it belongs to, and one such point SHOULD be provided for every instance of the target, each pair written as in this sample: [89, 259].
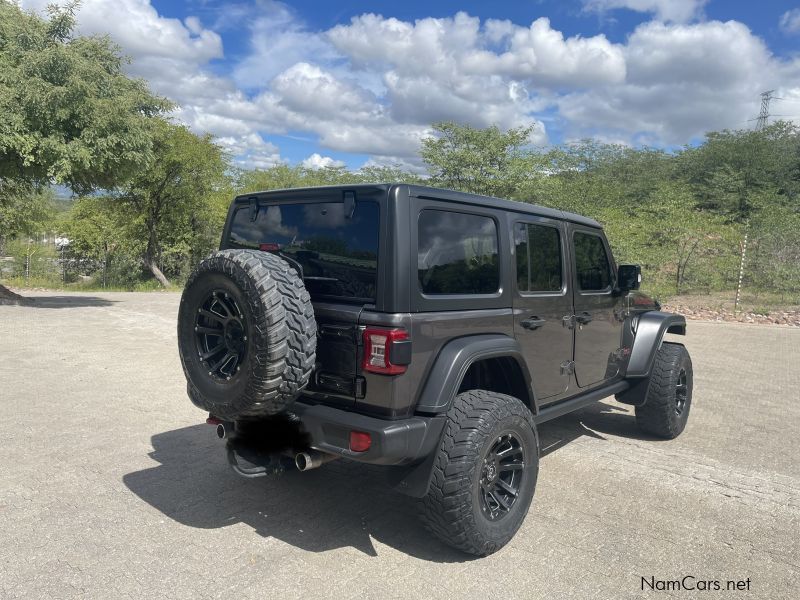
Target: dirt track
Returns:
[111, 486]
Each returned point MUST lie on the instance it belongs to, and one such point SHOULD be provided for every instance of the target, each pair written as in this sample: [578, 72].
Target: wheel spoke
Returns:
[222, 305]
[506, 487]
[500, 500]
[209, 331]
[221, 361]
[228, 368]
[511, 451]
[212, 352]
[513, 466]
[212, 315]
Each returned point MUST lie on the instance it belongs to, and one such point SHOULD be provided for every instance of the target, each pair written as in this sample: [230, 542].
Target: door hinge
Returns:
[568, 321]
[568, 367]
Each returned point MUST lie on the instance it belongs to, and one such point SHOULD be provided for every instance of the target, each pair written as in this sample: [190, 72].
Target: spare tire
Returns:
[246, 334]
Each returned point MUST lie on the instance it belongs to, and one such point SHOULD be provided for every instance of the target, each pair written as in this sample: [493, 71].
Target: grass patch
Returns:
[45, 283]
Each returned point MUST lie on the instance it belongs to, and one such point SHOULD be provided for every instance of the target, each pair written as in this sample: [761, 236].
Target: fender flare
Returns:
[453, 361]
[650, 330]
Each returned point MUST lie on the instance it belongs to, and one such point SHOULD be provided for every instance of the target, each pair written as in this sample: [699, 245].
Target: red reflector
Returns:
[378, 350]
[212, 420]
[360, 441]
[269, 247]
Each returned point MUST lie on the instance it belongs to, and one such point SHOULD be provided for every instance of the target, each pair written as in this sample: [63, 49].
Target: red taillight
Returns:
[360, 441]
[212, 420]
[269, 247]
[378, 350]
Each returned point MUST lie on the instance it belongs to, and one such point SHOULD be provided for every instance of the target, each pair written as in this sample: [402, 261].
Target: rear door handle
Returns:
[533, 323]
[583, 318]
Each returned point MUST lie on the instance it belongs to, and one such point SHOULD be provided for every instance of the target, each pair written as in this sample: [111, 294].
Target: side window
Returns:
[457, 253]
[538, 258]
[591, 262]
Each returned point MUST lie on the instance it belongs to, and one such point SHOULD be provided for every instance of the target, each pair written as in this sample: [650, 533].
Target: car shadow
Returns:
[64, 301]
[597, 421]
[342, 504]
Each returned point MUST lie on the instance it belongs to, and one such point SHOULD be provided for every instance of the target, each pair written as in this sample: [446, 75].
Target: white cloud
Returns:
[678, 11]
[138, 28]
[459, 47]
[790, 21]
[374, 85]
[251, 151]
[682, 81]
[542, 56]
[317, 161]
[278, 40]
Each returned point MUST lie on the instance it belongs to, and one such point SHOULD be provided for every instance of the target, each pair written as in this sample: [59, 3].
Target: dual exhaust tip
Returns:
[304, 461]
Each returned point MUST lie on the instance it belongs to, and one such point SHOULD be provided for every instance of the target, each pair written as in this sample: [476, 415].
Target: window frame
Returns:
[558, 226]
[609, 259]
[421, 302]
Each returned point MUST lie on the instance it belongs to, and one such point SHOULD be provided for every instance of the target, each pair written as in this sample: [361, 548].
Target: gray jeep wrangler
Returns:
[422, 329]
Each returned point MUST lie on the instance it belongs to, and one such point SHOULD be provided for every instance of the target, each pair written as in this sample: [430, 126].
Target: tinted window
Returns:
[337, 254]
[457, 253]
[591, 262]
[538, 258]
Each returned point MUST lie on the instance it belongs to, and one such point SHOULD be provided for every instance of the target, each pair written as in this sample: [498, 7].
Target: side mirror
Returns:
[629, 277]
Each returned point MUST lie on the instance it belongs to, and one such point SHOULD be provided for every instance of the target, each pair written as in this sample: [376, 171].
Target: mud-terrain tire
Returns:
[669, 393]
[254, 307]
[458, 509]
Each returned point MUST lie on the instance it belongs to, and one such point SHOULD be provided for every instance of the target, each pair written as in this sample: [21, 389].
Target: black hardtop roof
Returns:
[423, 191]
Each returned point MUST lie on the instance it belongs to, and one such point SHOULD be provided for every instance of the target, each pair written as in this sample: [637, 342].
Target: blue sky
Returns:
[355, 82]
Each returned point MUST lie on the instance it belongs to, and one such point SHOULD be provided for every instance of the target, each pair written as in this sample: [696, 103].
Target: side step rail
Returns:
[559, 409]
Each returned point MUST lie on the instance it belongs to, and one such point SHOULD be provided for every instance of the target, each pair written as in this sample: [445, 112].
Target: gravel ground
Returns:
[111, 486]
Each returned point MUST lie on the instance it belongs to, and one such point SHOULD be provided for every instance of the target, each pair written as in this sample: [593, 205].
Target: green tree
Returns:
[733, 171]
[285, 176]
[23, 209]
[93, 229]
[69, 114]
[482, 161]
[169, 208]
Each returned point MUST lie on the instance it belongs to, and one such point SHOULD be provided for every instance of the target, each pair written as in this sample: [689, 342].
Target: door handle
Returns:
[583, 318]
[533, 323]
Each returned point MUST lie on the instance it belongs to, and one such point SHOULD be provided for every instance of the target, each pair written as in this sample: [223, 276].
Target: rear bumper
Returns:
[399, 442]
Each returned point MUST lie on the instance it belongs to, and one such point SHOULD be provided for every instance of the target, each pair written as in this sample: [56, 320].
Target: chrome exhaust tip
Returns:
[312, 459]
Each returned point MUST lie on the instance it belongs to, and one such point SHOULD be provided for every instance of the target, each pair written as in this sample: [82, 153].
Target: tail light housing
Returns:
[386, 351]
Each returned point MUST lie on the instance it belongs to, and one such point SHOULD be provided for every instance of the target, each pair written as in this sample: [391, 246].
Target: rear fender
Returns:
[453, 361]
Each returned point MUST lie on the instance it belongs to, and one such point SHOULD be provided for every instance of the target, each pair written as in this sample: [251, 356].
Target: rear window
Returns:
[538, 258]
[337, 253]
[591, 263]
[457, 253]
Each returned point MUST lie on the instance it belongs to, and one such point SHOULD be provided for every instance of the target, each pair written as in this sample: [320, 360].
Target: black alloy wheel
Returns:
[220, 335]
[501, 476]
[681, 392]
